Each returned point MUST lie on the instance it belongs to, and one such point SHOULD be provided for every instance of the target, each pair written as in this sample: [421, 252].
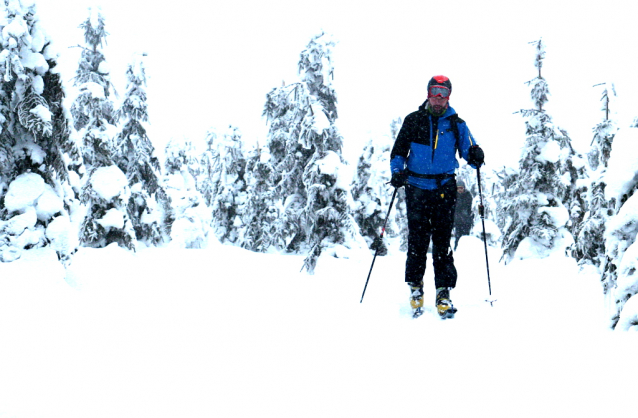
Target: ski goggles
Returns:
[442, 91]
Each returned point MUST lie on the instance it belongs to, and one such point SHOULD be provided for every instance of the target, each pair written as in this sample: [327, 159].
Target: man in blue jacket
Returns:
[423, 160]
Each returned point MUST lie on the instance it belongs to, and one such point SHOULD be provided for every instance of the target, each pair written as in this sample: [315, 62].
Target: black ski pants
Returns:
[431, 215]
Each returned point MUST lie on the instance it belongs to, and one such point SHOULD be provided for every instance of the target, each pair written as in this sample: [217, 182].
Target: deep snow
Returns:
[227, 333]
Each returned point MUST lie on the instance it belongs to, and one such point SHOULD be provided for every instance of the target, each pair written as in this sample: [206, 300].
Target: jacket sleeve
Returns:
[466, 141]
[401, 148]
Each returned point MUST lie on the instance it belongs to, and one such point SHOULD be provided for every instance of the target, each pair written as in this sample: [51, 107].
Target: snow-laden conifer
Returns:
[305, 146]
[368, 190]
[372, 193]
[228, 184]
[149, 206]
[603, 132]
[591, 230]
[93, 110]
[260, 212]
[573, 168]
[39, 160]
[507, 178]
[327, 215]
[209, 169]
[192, 216]
[533, 209]
[400, 210]
[107, 218]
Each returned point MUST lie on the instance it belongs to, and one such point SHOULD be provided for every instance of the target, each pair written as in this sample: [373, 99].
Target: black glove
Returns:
[476, 157]
[399, 179]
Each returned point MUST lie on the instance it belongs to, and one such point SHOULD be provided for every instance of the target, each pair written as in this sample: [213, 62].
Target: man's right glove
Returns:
[476, 157]
[399, 179]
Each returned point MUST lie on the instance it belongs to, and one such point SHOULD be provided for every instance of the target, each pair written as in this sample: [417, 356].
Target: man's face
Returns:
[438, 103]
[460, 189]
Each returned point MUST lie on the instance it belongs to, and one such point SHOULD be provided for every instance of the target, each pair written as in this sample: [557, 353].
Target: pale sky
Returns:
[211, 63]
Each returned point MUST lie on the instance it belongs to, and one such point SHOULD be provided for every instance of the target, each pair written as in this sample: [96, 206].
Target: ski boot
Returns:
[443, 303]
[416, 299]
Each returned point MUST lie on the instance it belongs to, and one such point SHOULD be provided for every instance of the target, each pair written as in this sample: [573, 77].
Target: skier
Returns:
[423, 160]
[462, 212]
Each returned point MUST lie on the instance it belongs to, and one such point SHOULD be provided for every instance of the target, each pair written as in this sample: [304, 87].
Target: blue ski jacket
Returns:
[426, 146]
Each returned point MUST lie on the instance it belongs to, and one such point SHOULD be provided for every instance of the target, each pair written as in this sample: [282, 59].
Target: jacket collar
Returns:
[449, 112]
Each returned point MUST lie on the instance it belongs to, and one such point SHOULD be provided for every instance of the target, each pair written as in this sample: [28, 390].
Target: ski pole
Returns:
[482, 213]
[376, 251]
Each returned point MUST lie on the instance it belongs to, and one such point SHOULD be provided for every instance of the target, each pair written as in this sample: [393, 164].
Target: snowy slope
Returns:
[223, 332]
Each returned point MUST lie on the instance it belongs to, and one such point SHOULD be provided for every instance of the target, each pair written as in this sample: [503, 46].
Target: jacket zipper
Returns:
[435, 142]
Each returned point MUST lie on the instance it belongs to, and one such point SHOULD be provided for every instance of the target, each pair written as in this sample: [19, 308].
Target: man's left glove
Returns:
[476, 157]
[399, 179]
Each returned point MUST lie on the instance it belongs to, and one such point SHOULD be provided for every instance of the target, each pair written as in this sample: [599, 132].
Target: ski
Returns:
[417, 312]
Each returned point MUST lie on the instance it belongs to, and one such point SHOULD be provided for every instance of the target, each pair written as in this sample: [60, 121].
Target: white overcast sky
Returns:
[211, 63]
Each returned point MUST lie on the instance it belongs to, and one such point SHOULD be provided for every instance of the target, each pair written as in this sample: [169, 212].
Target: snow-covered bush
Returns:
[105, 197]
[628, 320]
[620, 281]
[31, 204]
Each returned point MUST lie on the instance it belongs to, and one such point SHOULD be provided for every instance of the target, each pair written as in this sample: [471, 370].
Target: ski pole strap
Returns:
[438, 177]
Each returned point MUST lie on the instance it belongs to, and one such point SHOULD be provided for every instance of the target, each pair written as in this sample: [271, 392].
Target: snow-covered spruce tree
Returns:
[620, 265]
[490, 188]
[209, 166]
[603, 132]
[534, 208]
[372, 193]
[327, 216]
[260, 212]
[286, 109]
[228, 184]
[149, 206]
[368, 191]
[38, 156]
[400, 206]
[305, 146]
[106, 220]
[591, 230]
[573, 167]
[507, 179]
[192, 216]
[93, 110]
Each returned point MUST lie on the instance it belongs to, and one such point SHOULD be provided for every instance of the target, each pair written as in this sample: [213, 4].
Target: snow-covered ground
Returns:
[223, 332]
